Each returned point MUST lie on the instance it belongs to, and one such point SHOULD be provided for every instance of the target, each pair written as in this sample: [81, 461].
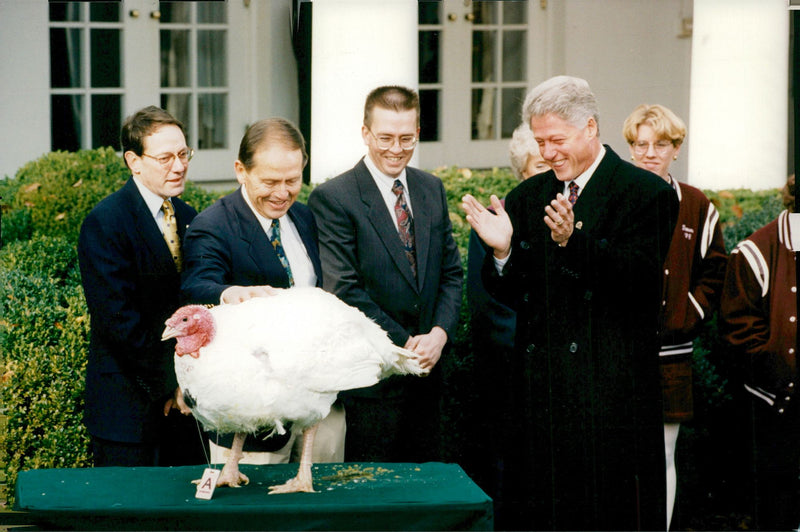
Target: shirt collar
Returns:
[382, 179]
[583, 179]
[151, 199]
[266, 223]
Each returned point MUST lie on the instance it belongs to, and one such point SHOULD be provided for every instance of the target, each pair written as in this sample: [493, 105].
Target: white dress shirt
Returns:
[153, 202]
[296, 252]
[385, 184]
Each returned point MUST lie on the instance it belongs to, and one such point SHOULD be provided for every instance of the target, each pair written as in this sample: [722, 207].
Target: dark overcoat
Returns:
[588, 452]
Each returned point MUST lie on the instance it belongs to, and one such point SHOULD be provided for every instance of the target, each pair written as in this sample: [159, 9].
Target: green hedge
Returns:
[45, 323]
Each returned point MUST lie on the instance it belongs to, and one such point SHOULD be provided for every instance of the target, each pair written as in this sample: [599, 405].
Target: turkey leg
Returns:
[303, 480]
[231, 476]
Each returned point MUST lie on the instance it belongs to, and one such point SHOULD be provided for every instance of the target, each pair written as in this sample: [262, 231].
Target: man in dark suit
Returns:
[130, 260]
[577, 252]
[387, 248]
[249, 244]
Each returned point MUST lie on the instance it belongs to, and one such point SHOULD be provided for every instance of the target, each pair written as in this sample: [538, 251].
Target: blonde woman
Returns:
[693, 271]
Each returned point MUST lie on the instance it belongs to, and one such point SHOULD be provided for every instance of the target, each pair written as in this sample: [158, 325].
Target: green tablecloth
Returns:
[431, 496]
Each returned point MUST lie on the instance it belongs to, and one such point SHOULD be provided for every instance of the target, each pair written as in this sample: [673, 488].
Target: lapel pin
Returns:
[578, 225]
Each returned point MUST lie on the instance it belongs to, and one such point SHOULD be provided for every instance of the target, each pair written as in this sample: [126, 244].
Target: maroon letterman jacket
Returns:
[758, 312]
[693, 273]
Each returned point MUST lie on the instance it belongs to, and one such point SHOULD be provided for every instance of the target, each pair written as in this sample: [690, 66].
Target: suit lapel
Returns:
[146, 225]
[259, 248]
[379, 217]
[593, 201]
[422, 207]
[307, 236]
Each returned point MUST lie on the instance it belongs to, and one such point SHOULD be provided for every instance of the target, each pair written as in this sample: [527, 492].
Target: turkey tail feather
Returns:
[407, 362]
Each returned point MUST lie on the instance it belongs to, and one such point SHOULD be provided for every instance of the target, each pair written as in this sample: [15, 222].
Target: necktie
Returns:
[275, 240]
[171, 233]
[573, 192]
[405, 225]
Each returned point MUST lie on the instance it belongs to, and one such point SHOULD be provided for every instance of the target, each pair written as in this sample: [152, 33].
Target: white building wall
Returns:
[357, 45]
[739, 94]
[24, 83]
[630, 52]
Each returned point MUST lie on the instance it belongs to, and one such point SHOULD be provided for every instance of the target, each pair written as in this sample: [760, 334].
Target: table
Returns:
[351, 496]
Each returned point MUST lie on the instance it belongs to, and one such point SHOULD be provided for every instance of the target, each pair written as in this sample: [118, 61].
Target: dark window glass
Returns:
[429, 115]
[66, 111]
[65, 58]
[66, 11]
[106, 120]
[429, 12]
[212, 12]
[429, 57]
[105, 54]
[104, 11]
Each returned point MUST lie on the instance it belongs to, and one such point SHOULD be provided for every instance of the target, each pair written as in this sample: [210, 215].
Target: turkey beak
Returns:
[169, 332]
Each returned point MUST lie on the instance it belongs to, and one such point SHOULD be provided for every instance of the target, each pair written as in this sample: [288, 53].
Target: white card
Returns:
[205, 489]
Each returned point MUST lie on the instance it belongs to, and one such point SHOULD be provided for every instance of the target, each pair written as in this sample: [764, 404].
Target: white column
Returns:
[357, 45]
[739, 94]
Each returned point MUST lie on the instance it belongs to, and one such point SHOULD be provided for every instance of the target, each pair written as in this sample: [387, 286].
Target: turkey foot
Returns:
[231, 476]
[303, 481]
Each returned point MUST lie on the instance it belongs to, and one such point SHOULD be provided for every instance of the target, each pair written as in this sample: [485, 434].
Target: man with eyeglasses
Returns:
[130, 259]
[387, 248]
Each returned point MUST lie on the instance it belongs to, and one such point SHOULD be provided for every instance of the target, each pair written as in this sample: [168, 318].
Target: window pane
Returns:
[212, 12]
[514, 55]
[511, 110]
[483, 54]
[65, 58]
[429, 12]
[179, 106]
[429, 57]
[429, 115]
[106, 120]
[66, 12]
[175, 11]
[104, 11]
[485, 12]
[66, 122]
[211, 58]
[175, 59]
[212, 115]
[515, 12]
[105, 55]
[483, 102]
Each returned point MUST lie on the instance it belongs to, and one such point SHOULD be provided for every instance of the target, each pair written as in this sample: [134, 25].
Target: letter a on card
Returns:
[205, 488]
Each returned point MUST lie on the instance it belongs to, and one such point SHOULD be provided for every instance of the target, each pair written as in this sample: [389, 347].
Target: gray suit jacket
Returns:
[363, 260]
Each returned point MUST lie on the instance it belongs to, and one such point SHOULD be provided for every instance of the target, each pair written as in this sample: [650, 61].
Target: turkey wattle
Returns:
[278, 359]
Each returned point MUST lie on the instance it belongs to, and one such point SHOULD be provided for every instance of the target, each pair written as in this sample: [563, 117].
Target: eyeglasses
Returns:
[168, 159]
[640, 147]
[386, 142]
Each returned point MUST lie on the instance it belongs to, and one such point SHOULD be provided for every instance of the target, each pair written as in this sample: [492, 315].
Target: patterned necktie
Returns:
[573, 192]
[405, 225]
[171, 233]
[275, 240]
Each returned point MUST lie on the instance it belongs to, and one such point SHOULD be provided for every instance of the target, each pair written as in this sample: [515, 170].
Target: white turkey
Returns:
[273, 360]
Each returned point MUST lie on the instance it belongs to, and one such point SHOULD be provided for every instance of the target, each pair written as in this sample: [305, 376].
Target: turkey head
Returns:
[193, 326]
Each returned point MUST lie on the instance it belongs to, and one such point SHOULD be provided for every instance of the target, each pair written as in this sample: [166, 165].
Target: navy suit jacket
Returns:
[131, 287]
[226, 246]
[364, 262]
